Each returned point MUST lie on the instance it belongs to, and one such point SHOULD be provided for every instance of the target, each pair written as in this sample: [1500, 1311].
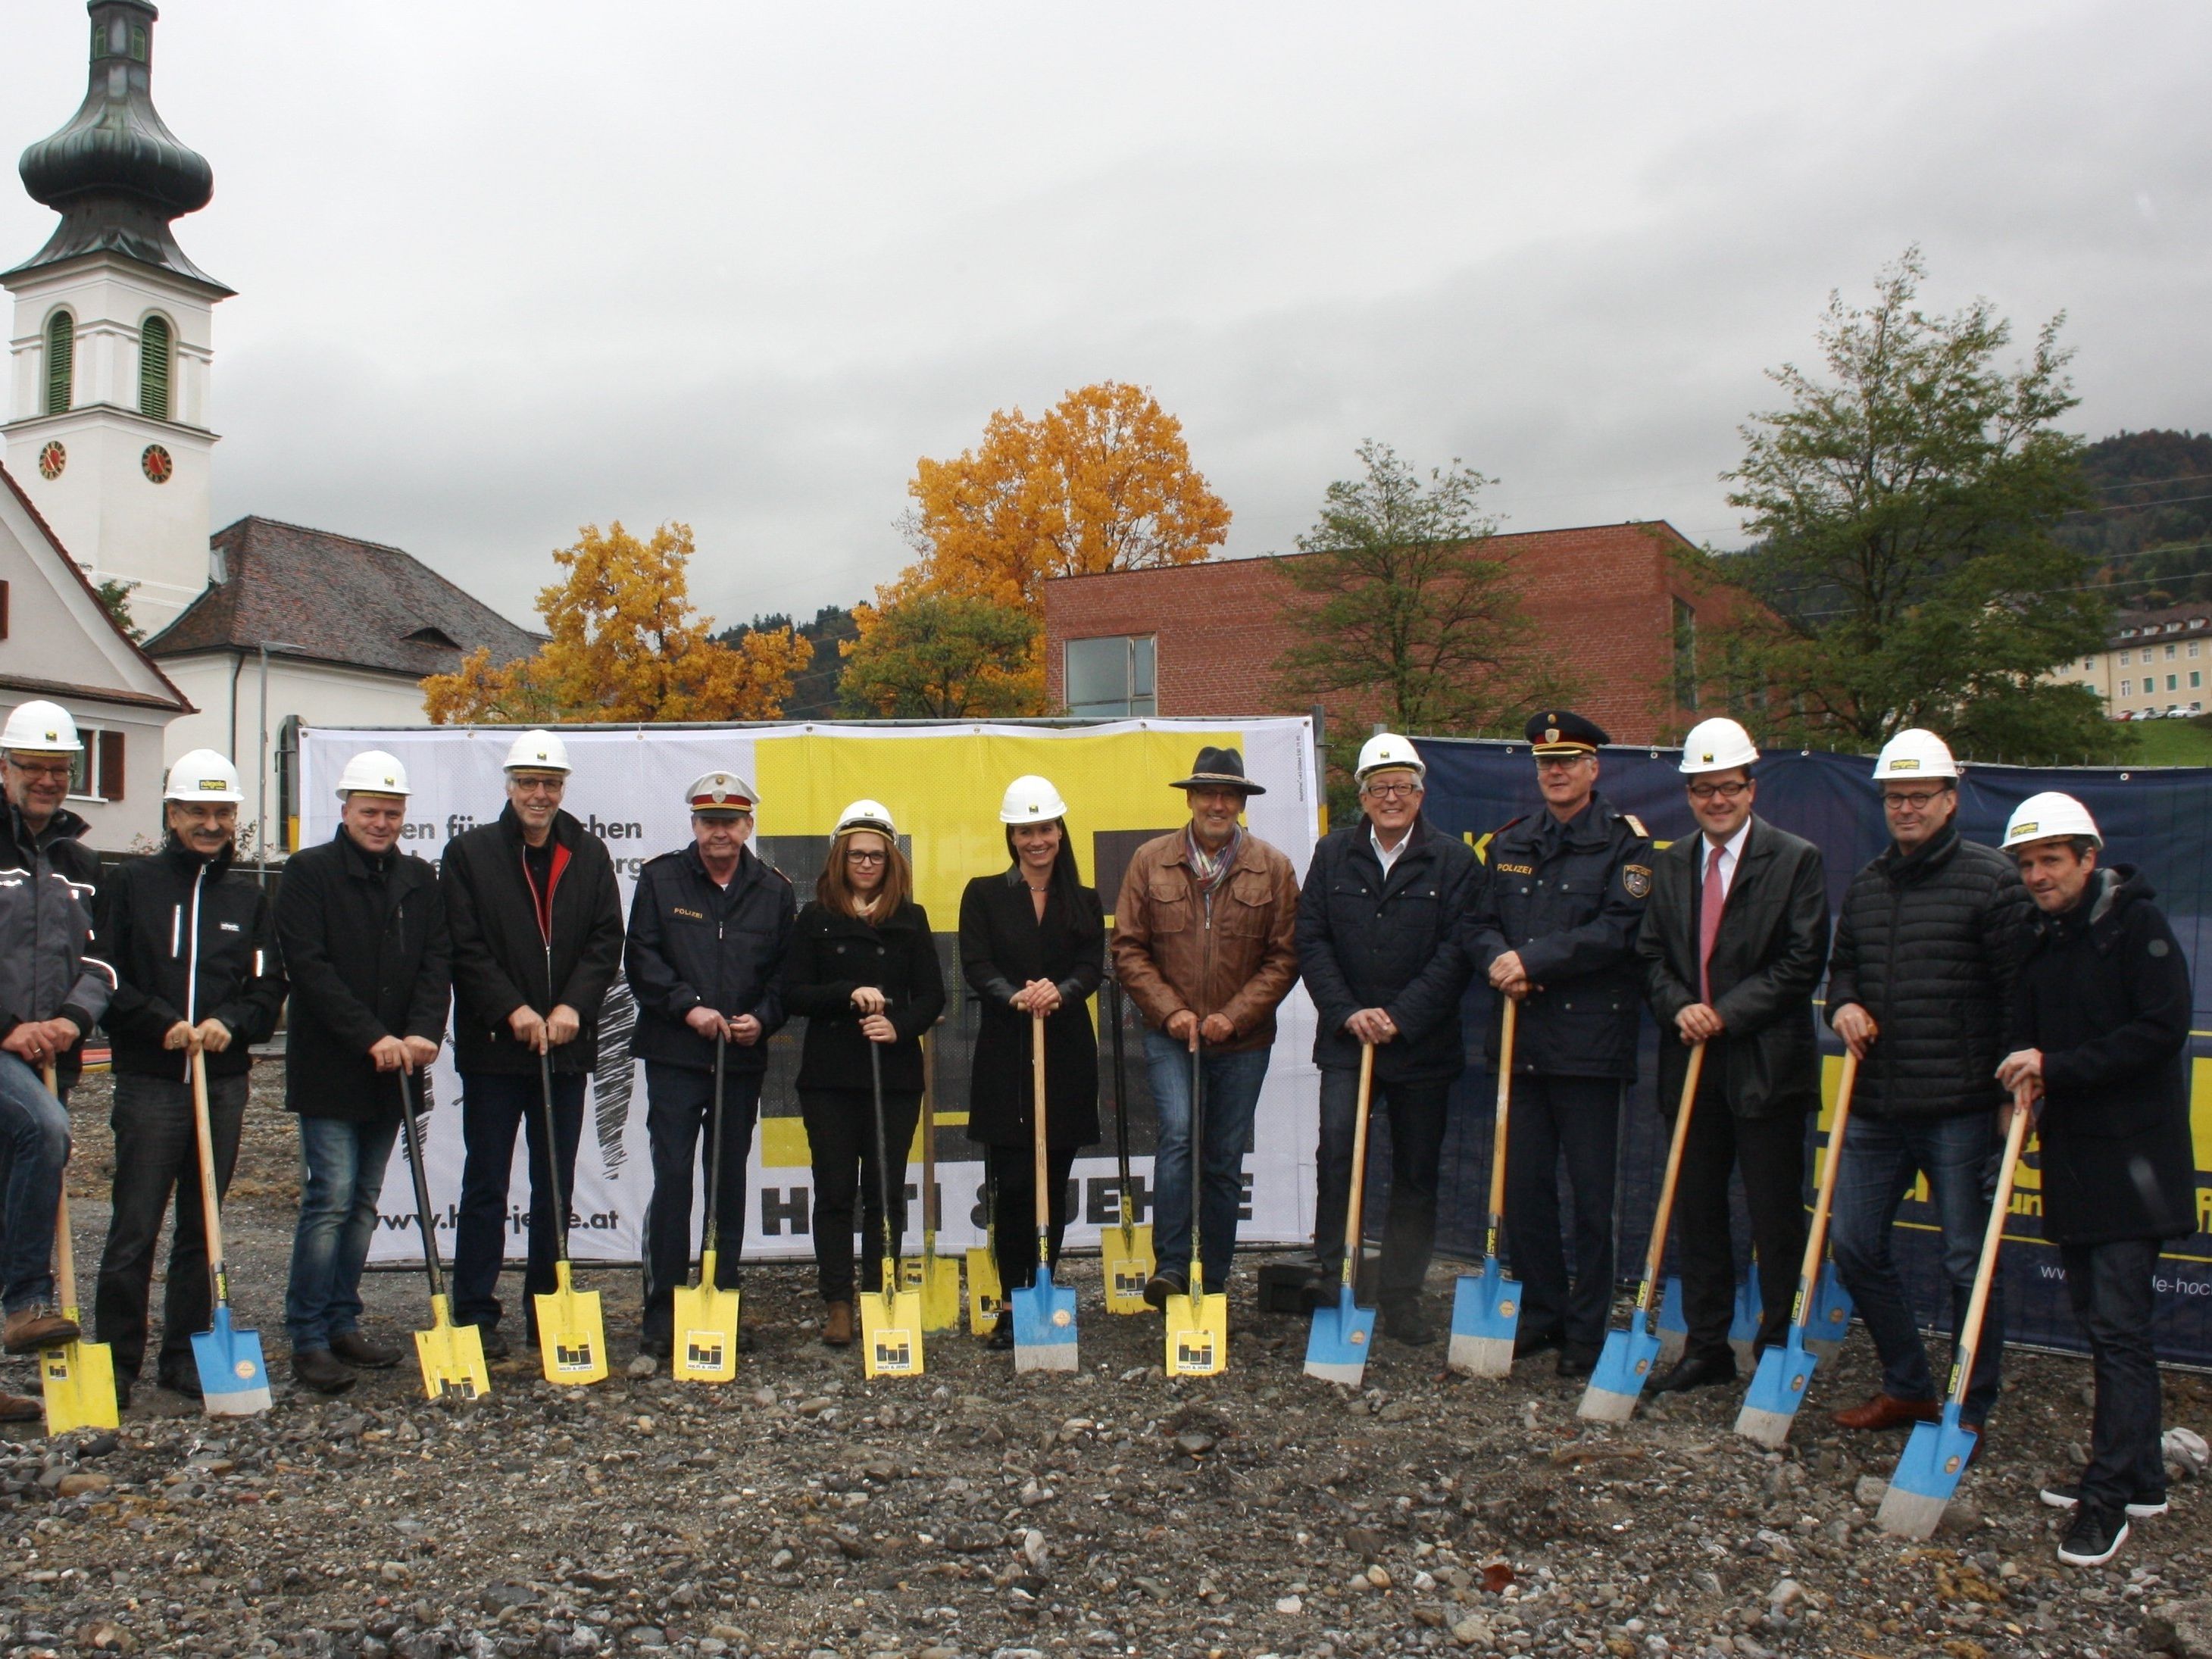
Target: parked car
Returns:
[2176, 711]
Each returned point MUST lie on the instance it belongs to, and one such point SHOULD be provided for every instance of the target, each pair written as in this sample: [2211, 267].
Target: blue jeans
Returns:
[1232, 1093]
[1959, 1156]
[34, 1144]
[2110, 1288]
[343, 1175]
[494, 1104]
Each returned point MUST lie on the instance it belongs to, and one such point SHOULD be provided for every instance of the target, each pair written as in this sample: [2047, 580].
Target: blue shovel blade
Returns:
[232, 1379]
[1486, 1315]
[1044, 1325]
[1778, 1388]
[1674, 1325]
[1622, 1368]
[1338, 1340]
[1830, 1320]
[1927, 1476]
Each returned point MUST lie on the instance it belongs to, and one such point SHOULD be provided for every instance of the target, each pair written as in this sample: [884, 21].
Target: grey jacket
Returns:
[48, 967]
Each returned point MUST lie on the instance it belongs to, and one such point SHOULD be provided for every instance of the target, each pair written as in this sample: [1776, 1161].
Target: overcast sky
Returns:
[503, 269]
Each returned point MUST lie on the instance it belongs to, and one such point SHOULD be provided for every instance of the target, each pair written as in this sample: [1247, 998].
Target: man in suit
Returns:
[1733, 943]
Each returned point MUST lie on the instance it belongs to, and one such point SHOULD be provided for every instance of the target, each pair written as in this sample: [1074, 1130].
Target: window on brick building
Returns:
[1114, 675]
[1685, 656]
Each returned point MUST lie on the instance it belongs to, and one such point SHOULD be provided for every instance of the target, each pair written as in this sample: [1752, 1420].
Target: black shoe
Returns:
[2095, 1537]
[1162, 1285]
[1001, 1338]
[1577, 1358]
[2142, 1506]
[1696, 1372]
[1404, 1321]
[656, 1344]
[361, 1353]
[1528, 1342]
[318, 1369]
[122, 1394]
[187, 1384]
[494, 1344]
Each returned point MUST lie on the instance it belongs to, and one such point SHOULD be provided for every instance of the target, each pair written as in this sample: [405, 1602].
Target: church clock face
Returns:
[156, 465]
[51, 459]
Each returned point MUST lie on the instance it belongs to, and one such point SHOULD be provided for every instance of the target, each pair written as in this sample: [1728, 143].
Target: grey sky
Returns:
[504, 269]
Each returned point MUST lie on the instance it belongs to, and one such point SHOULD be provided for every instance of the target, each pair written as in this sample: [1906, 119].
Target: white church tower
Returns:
[108, 414]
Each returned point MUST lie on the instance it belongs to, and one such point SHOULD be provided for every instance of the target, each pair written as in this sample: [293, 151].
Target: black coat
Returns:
[51, 963]
[190, 938]
[831, 956]
[1929, 943]
[1003, 947]
[367, 952]
[1394, 943]
[2104, 994]
[693, 943]
[1569, 897]
[499, 945]
[1766, 963]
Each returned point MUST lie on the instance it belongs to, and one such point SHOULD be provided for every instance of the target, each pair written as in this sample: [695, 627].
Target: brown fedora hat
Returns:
[1219, 769]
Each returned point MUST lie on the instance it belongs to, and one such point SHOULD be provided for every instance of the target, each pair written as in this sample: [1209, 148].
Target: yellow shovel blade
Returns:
[936, 1279]
[1198, 1335]
[572, 1338]
[452, 1357]
[706, 1329]
[78, 1382]
[987, 1299]
[1128, 1261]
[890, 1333]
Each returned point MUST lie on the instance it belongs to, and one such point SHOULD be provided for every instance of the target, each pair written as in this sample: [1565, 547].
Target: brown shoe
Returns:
[1886, 1411]
[19, 1409]
[30, 1329]
[837, 1328]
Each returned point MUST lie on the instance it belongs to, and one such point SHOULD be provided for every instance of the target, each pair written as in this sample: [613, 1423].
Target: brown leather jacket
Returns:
[1169, 955]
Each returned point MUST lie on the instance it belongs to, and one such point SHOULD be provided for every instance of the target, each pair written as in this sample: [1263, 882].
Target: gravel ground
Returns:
[803, 1510]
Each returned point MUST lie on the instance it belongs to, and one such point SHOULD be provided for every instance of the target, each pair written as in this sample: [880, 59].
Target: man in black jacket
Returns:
[535, 922]
[1558, 934]
[197, 972]
[2100, 1036]
[363, 931]
[1920, 987]
[1381, 923]
[1732, 945]
[708, 926]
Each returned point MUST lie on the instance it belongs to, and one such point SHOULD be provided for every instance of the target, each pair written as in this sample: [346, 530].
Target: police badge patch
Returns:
[1637, 878]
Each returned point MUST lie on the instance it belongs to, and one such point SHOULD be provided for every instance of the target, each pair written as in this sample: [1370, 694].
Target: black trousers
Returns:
[1576, 1118]
[1770, 1152]
[1417, 1137]
[494, 1105]
[841, 1135]
[679, 1111]
[2110, 1288]
[157, 1150]
[1012, 1172]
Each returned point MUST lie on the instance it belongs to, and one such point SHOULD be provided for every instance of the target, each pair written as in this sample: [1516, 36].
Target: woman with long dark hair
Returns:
[1032, 940]
[863, 968]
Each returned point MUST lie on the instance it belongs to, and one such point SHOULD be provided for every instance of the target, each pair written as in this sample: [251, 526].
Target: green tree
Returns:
[922, 654]
[115, 598]
[1904, 506]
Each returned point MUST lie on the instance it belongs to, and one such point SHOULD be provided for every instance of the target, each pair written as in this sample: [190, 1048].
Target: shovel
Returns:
[1832, 1314]
[1777, 1387]
[938, 1278]
[572, 1339]
[451, 1356]
[1674, 1326]
[234, 1382]
[1486, 1305]
[704, 1315]
[1928, 1471]
[1044, 1313]
[1337, 1339]
[986, 1296]
[1744, 1321]
[890, 1319]
[78, 1377]
[1625, 1364]
[1125, 1250]
[1197, 1324]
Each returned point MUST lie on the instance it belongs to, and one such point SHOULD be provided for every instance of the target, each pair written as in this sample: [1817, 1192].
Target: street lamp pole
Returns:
[261, 779]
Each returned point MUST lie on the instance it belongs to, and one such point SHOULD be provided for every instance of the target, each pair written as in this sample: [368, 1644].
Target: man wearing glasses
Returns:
[1920, 986]
[1556, 933]
[537, 928]
[1732, 944]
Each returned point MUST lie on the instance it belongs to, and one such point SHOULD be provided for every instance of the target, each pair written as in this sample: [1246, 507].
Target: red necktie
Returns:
[1709, 923]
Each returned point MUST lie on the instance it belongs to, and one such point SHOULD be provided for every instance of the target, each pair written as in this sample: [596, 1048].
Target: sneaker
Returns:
[360, 1352]
[2068, 1496]
[1162, 1285]
[2095, 1537]
[29, 1329]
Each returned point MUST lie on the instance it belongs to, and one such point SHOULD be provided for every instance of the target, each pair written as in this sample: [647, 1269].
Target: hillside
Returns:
[2151, 534]
[814, 693]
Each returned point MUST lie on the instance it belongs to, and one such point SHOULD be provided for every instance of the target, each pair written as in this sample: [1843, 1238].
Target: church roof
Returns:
[338, 600]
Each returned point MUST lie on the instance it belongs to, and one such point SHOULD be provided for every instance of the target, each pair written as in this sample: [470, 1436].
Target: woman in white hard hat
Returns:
[1032, 941]
[863, 970]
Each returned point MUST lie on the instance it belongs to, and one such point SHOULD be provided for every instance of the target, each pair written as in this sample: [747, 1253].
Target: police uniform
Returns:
[1569, 897]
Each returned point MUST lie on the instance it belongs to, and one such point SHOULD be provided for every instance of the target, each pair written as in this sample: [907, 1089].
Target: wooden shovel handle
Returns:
[1970, 1334]
[1656, 1252]
[1037, 1082]
[210, 1208]
[1509, 1019]
[65, 1252]
[1816, 1236]
[1351, 1217]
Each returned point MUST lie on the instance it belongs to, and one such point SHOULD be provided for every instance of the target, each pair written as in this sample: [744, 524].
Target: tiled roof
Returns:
[2192, 621]
[333, 598]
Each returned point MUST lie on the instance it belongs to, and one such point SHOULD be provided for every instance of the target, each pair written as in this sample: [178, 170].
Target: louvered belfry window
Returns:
[61, 362]
[154, 358]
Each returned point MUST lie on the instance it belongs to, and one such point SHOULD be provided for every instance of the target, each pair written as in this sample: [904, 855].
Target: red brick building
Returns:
[1616, 602]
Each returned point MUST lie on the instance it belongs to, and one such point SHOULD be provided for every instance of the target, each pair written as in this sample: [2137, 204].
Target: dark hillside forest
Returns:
[2150, 536]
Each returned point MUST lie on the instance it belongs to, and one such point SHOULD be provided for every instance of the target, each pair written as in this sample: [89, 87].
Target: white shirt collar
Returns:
[1388, 856]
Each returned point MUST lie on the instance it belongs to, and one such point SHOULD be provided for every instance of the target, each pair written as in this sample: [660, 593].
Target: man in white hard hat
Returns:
[363, 931]
[536, 925]
[53, 987]
[1381, 920]
[1920, 987]
[197, 971]
[708, 926]
[1733, 943]
[2101, 1037]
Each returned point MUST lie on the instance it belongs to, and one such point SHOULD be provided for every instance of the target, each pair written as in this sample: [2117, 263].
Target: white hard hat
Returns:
[1717, 744]
[2040, 817]
[540, 751]
[866, 815]
[202, 774]
[38, 728]
[1032, 799]
[721, 792]
[1386, 751]
[1915, 754]
[373, 772]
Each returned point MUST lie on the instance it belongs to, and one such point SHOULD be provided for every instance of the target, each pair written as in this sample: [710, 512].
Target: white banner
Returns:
[943, 785]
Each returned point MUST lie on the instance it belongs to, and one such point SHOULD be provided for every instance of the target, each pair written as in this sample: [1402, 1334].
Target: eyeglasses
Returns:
[62, 769]
[539, 786]
[1918, 801]
[861, 855]
[1560, 762]
[1391, 791]
[1723, 791]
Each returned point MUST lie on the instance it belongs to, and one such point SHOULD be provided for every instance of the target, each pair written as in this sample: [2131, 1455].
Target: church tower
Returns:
[108, 416]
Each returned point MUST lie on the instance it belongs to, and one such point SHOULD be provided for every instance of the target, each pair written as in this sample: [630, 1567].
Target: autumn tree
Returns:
[626, 645]
[924, 654]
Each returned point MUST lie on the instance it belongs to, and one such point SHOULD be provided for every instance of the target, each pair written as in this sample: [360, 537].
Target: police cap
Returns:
[1563, 731]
